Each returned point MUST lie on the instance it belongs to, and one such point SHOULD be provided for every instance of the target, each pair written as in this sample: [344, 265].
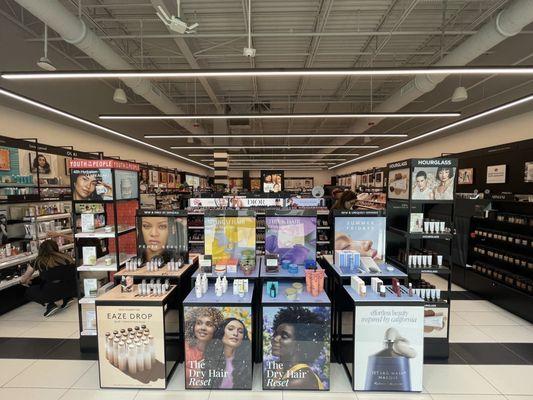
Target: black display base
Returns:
[12, 298]
[458, 275]
[512, 300]
[436, 348]
[89, 344]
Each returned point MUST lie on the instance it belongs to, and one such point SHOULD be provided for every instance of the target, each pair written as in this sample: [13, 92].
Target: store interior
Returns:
[277, 200]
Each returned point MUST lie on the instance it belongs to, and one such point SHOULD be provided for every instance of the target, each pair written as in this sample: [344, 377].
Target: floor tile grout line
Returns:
[515, 353]
[489, 382]
[34, 361]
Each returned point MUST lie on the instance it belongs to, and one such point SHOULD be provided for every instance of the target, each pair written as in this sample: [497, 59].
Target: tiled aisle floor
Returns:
[492, 360]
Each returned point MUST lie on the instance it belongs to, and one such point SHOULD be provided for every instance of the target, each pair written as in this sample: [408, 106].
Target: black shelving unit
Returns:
[109, 244]
[500, 256]
[403, 243]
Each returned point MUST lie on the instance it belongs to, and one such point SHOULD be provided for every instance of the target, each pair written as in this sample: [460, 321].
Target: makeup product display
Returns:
[424, 261]
[314, 281]
[272, 263]
[348, 260]
[301, 363]
[431, 226]
[131, 336]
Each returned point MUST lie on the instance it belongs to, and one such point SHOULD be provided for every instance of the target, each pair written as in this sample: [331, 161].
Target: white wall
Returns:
[17, 124]
[513, 129]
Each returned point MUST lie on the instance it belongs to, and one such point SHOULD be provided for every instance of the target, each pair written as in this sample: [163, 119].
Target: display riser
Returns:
[89, 344]
[436, 348]
[508, 298]
[12, 298]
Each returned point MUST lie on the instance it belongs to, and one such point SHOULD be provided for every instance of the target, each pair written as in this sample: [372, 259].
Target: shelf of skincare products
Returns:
[244, 268]
[17, 259]
[48, 217]
[172, 269]
[222, 291]
[500, 237]
[511, 280]
[426, 263]
[286, 269]
[519, 262]
[275, 292]
[105, 232]
[13, 280]
[146, 291]
[54, 231]
[378, 292]
[508, 219]
[444, 235]
[105, 263]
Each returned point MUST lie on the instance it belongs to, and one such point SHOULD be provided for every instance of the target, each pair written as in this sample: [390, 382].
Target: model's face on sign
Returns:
[204, 328]
[421, 182]
[444, 175]
[155, 232]
[283, 341]
[85, 185]
[233, 334]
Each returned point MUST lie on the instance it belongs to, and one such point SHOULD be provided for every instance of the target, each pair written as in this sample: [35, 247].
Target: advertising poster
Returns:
[91, 184]
[398, 186]
[296, 348]
[154, 177]
[229, 238]
[433, 179]
[436, 322]
[162, 234]
[363, 234]
[291, 238]
[272, 181]
[127, 187]
[496, 173]
[144, 180]
[311, 202]
[255, 184]
[388, 348]
[528, 171]
[124, 361]
[218, 347]
[465, 176]
[5, 164]
[199, 202]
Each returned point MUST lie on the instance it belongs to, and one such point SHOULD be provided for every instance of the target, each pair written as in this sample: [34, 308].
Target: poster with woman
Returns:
[398, 184]
[218, 347]
[162, 234]
[296, 347]
[363, 234]
[91, 184]
[292, 238]
[272, 181]
[433, 179]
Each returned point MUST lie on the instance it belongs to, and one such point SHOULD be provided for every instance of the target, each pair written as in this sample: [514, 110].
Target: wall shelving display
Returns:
[34, 206]
[500, 256]
[105, 200]
[420, 228]
[299, 184]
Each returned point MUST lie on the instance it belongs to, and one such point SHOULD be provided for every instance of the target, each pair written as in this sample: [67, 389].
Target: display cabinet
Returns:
[420, 228]
[105, 199]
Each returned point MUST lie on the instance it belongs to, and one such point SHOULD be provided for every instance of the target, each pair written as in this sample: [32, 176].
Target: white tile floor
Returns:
[471, 321]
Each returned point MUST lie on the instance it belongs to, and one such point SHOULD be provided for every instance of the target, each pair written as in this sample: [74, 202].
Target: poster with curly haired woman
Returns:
[218, 347]
[296, 348]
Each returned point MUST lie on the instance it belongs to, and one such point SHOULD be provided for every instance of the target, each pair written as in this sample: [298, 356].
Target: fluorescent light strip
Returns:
[444, 128]
[240, 73]
[277, 136]
[272, 147]
[93, 125]
[234, 155]
[179, 117]
[284, 160]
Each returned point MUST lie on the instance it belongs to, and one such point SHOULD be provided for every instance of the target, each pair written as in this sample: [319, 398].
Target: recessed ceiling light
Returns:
[258, 72]
[85, 122]
[178, 117]
[277, 136]
[443, 128]
[273, 147]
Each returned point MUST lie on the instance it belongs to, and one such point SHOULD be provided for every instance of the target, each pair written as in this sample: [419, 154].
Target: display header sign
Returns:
[305, 202]
[98, 164]
[163, 213]
[357, 213]
[229, 213]
[196, 202]
[434, 162]
[290, 213]
[398, 164]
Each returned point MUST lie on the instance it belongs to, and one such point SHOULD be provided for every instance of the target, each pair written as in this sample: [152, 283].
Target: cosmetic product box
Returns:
[231, 266]
[205, 263]
[347, 259]
[272, 263]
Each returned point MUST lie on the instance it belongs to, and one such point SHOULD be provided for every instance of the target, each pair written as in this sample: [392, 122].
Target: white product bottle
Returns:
[147, 355]
[152, 348]
[115, 351]
[132, 359]
[122, 356]
[140, 357]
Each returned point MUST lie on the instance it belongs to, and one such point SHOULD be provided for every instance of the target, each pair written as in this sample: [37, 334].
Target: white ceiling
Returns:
[287, 33]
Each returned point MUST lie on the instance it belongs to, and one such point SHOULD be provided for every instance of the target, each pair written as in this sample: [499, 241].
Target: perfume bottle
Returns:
[388, 371]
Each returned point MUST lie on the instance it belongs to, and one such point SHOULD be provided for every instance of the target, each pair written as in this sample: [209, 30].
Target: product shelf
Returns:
[100, 233]
[48, 217]
[14, 282]
[102, 266]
